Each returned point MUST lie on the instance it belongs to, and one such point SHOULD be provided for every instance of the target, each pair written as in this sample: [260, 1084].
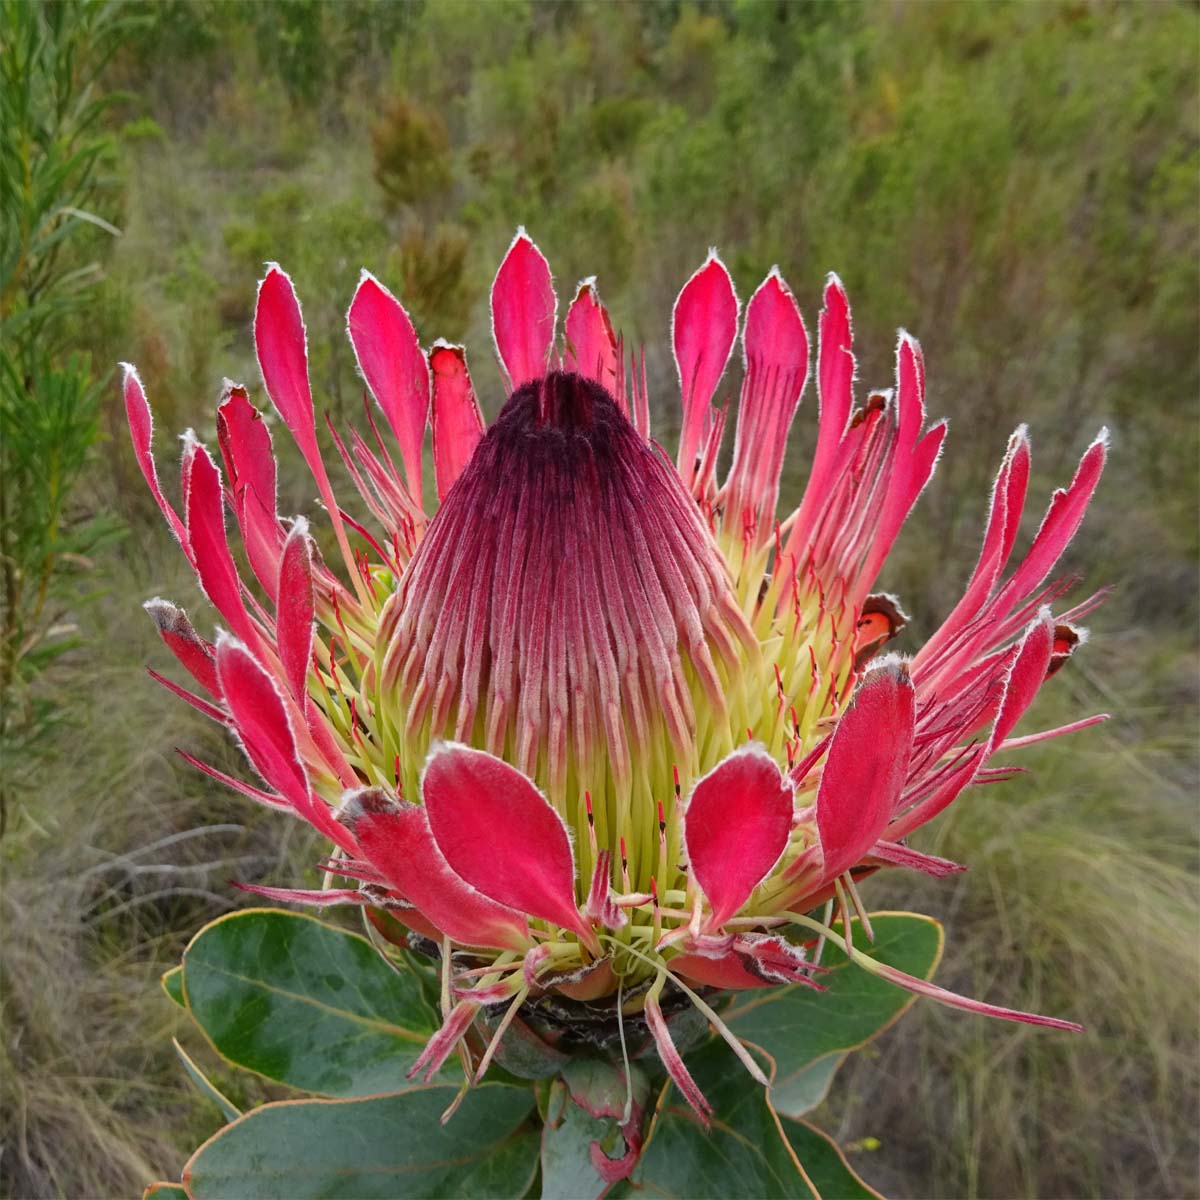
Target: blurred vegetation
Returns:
[55, 200]
[1016, 183]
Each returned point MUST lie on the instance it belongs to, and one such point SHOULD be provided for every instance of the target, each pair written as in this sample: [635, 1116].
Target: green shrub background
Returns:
[1015, 183]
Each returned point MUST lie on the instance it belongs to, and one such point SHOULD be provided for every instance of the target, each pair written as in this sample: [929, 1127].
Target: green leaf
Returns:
[206, 1086]
[749, 1150]
[744, 1153]
[796, 1025]
[301, 1002]
[825, 1164]
[165, 1191]
[172, 984]
[802, 1091]
[567, 1136]
[522, 1053]
[586, 1107]
[379, 1148]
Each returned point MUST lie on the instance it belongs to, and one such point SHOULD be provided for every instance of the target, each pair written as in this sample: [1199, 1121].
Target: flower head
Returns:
[605, 726]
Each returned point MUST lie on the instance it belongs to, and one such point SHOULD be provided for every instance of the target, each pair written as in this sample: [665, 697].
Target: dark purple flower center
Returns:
[560, 431]
[567, 608]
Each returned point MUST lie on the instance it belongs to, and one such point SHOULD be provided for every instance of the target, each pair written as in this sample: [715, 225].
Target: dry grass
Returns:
[1081, 901]
[114, 854]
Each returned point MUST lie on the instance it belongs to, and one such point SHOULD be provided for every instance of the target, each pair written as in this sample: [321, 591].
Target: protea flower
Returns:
[603, 728]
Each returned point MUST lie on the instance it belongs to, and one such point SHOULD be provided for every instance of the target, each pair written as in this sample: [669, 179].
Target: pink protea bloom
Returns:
[604, 726]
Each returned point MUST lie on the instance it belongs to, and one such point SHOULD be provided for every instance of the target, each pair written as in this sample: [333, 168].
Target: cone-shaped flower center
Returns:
[569, 612]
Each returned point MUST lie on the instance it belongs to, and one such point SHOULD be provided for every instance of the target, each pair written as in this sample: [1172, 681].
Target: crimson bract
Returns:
[605, 729]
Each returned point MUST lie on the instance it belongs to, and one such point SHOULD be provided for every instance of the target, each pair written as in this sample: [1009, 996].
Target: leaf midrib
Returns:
[372, 1023]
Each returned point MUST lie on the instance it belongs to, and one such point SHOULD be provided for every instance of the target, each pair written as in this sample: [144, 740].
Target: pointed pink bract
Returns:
[262, 721]
[313, 897]
[395, 838]
[197, 702]
[204, 511]
[835, 398]
[775, 330]
[296, 609]
[835, 374]
[282, 348]
[591, 344]
[896, 855]
[391, 361]
[910, 388]
[193, 651]
[141, 431]
[914, 458]
[239, 785]
[736, 827]
[261, 718]
[704, 325]
[246, 447]
[866, 766]
[250, 473]
[457, 421]
[524, 308]
[441, 1045]
[1026, 676]
[1061, 522]
[776, 349]
[501, 834]
[1004, 520]
[1044, 735]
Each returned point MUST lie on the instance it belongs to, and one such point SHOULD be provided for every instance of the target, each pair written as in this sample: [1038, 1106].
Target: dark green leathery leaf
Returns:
[588, 1141]
[374, 1148]
[521, 1052]
[825, 1163]
[205, 1085]
[568, 1172]
[301, 1002]
[803, 1090]
[743, 1152]
[172, 984]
